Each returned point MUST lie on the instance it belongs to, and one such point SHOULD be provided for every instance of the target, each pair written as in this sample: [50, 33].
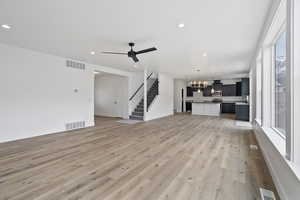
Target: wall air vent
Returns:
[266, 194]
[75, 125]
[75, 65]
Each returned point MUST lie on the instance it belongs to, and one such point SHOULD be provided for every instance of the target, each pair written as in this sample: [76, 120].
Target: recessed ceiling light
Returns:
[93, 52]
[6, 26]
[181, 25]
[204, 54]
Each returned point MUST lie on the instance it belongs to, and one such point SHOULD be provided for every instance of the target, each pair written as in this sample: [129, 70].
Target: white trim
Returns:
[258, 87]
[258, 121]
[290, 81]
[278, 132]
[293, 80]
[275, 139]
[275, 178]
[277, 23]
[145, 93]
[265, 139]
[279, 143]
[267, 25]
[281, 30]
[273, 81]
[266, 86]
[277, 27]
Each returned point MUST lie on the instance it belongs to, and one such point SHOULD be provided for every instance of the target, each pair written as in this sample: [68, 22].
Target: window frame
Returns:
[277, 36]
[259, 79]
[277, 25]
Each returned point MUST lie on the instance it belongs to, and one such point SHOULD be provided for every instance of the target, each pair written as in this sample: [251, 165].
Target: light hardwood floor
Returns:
[180, 157]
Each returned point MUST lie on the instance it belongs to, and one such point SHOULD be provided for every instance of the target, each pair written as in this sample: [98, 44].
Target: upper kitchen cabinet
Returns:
[245, 87]
[207, 91]
[229, 90]
[238, 89]
[189, 92]
[217, 85]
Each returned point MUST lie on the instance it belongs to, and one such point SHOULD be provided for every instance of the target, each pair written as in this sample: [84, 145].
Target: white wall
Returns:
[111, 95]
[163, 104]
[38, 94]
[178, 86]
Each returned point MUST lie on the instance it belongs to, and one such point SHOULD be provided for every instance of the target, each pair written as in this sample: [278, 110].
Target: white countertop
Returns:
[206, 102]
[242, 103]
[206, 108]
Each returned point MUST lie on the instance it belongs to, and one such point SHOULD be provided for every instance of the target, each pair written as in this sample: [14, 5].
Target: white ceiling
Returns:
[226, 30]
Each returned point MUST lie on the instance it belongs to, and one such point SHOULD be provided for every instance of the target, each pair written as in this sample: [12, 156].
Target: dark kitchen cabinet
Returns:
[228, 108]
[189, 92]
[229, 90]
[207, 91]
[218, 86]
[238, 88]
[245, 87]
[242, 112]
[188, 106]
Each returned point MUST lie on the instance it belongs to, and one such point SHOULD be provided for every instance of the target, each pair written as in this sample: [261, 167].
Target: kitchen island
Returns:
[206, 108]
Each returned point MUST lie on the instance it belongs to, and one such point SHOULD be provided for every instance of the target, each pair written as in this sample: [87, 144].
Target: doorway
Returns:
[110, 95]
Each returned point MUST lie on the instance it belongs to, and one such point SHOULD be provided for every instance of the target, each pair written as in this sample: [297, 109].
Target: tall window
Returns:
[280, 85]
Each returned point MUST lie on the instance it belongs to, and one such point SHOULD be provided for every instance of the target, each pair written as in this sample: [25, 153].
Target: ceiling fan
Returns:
[132, 54]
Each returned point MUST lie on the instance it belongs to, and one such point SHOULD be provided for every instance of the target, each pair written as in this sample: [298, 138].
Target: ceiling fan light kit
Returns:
[132, 54]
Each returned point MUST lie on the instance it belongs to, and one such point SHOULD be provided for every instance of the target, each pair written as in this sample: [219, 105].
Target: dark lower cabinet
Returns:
[228, 108]
[188, 106]
[242, 112]
[245, 87]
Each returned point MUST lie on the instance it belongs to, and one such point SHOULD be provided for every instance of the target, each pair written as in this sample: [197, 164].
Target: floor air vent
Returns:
[266, 194]
[253, 147]
[75, 65]
[75, 125]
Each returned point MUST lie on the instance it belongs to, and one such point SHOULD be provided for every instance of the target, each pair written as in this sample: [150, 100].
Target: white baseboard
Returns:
[262, 145]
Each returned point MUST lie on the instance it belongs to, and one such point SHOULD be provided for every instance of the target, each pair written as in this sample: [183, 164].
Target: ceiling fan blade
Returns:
[146, 50]
[135, 59]
[116, 53]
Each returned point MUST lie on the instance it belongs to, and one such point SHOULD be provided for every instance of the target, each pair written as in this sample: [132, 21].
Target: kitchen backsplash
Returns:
[229, 98]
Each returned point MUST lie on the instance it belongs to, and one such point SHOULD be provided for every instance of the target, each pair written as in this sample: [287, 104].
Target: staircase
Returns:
[138, 113]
